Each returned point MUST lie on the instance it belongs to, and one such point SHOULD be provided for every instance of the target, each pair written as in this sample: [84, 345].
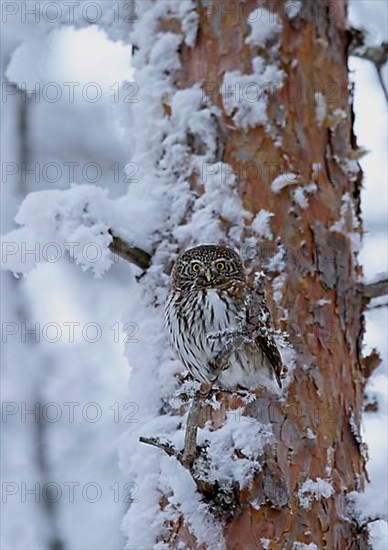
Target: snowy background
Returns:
[69, 338]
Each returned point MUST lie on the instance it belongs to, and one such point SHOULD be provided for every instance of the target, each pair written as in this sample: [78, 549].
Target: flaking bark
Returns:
[325, 395]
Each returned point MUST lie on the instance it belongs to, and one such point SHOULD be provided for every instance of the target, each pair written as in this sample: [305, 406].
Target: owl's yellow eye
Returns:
[196, 268]
[220, 266]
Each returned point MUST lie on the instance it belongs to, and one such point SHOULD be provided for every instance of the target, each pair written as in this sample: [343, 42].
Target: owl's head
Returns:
[207, 266]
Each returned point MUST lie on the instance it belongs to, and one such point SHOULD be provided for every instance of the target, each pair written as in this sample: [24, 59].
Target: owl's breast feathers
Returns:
[199, 324]
[197, 321]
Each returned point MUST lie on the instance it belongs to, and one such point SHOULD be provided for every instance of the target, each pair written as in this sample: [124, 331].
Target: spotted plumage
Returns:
[207, 302]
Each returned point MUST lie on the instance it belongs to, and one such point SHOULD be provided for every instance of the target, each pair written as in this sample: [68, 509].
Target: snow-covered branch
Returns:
[378, 55]
[81, 223]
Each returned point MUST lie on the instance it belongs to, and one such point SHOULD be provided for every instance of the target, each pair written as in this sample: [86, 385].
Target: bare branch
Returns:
[377, 306]
[166, 447]
[130, 252]
[378, 55]
[375, 290]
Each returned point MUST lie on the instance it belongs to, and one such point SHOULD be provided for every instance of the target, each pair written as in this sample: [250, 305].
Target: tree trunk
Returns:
[315, 299]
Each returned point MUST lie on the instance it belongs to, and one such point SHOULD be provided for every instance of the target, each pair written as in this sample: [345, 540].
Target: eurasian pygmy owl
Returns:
[208, 301]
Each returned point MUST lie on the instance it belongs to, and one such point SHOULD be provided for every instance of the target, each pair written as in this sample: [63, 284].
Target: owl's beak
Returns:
[208, 275]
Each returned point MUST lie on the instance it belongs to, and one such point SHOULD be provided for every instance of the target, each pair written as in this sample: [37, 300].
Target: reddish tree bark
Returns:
[317, 424]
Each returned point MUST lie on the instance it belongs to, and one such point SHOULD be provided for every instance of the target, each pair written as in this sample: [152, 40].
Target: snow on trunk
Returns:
[291, 489]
